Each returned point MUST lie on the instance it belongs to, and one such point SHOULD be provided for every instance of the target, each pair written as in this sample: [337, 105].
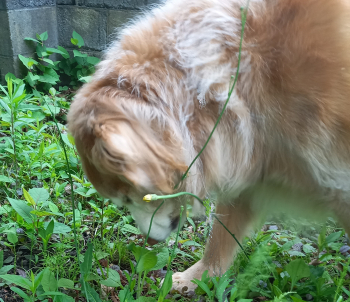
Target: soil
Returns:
[9, 296]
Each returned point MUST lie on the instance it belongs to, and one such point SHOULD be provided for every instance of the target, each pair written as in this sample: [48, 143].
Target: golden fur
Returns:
[283, 140]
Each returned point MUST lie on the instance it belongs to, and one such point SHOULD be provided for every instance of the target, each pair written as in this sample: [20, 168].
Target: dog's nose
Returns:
[151, 241]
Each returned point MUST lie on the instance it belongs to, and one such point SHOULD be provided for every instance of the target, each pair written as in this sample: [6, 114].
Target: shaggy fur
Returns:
[284, 139]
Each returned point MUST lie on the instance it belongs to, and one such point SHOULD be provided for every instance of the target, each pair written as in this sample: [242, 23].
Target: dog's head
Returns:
[129, 147]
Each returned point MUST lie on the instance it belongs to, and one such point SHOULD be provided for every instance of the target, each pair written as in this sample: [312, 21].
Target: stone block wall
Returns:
[20, 19]
[95, 20]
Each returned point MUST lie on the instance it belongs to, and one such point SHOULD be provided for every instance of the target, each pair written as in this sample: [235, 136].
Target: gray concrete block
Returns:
[91, 24]
[11, 64]
[118, 4]
[117, 20]
[5, 45]
[27, 23]
[14, 4]
[65, 2]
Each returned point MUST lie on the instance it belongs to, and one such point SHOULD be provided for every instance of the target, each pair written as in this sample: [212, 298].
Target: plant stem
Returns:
[139, 286]
[244, 19]
[233, 236]
[14, 146]
[72, 200]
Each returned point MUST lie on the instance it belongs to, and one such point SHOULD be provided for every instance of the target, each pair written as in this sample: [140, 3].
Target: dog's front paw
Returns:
[182, 284]
[182, 281]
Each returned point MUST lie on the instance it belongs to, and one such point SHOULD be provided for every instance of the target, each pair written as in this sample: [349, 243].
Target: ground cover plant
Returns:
[61, 241]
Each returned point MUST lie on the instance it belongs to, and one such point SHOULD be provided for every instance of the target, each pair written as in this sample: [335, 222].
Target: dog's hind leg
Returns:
[220, 248]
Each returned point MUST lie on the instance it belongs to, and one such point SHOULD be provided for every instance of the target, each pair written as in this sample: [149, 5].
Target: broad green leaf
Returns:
[297, 269]
[18, 280]
[50, 109]
[85, 79]
[22, 209]
[59, 228]
[296, 253]
[4, 178]
[28, 197]
[109, 282]
[50, 227]
[37, 279]
[131, 229]
[71, 139]
[277, 291]
[295, 299]
[54, 50]
[288, 245]
[19, 94]
[76, 178]
[322, 239]
[162, 258]
[31, 39]
[190, 243]
[90, 192]
[64, 298]
[166, 286]
[74, 41]
[77, 53]
[12, 237]
[39, 194]
[326, 257]
[81, 191]
[93, 60]
[87, 264]
[44, 36]
[221, 286]
[53, 207]
[65, 53]
[66, 140]
[78, 37]
[114, 275]
[90, 293]
[49, 281]
[6, 209]
[66, 283]
[50, 76]
[4, 105]
[203, 286]
[42, 213]
[5, 269]
[27, 62]
[333, 237]
[21, 293]
[101, 255]
[41, 50]
[48, 61]
[52, 91]
[307, 248]
[147, 262]
[31, 79]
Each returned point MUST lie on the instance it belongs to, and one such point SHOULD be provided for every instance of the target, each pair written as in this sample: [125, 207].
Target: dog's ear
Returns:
[119, 145]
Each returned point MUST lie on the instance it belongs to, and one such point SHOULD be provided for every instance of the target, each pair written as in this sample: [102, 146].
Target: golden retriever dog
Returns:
[283, 141]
